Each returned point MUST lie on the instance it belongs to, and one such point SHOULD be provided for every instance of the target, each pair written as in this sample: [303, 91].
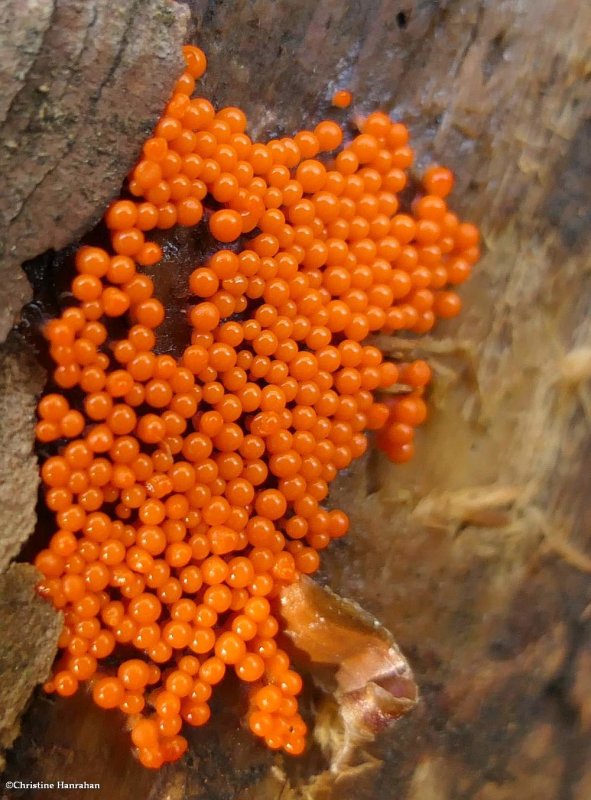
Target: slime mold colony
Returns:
[187, 492]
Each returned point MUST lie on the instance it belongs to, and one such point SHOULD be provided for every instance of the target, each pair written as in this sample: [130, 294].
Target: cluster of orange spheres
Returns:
[187, 492]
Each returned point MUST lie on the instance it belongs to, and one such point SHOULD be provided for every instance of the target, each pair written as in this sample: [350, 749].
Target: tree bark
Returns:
[477, 555]
[82, 83]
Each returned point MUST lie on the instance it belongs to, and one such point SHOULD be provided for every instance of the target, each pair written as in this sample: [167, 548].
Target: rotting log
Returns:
[82, 83]
[477, 555]
[21, 664]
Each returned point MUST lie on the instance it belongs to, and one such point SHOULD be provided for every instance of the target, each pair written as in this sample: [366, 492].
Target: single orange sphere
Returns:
[225, 225]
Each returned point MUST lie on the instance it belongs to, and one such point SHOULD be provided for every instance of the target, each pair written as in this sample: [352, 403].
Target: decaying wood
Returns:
[355, 660]
[81, 83]
[472, 554]
[21, 380]
[65, 142]
[24, 660]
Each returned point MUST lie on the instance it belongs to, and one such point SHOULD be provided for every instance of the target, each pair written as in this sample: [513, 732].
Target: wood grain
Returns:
[82, 84]
[476, 555]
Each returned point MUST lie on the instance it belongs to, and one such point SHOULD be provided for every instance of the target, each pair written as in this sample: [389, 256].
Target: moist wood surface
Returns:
[478, 554]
